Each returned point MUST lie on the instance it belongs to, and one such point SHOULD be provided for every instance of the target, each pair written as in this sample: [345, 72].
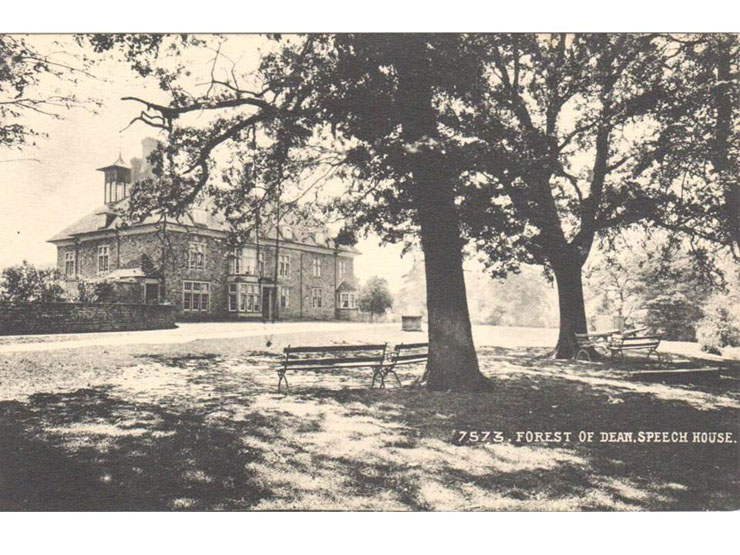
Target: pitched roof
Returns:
[95, 221]
[86, 224]
[346, 286]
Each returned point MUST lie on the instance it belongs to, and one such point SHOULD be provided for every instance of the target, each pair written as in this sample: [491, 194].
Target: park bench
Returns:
[618, 344]
[332, 357]
[585, 343]
[405, 353]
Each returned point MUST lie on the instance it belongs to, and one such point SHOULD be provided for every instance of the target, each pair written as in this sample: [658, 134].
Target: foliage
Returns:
[522, 299]
[720, 325]
[94, 291]
[33, 82]
[375, 297]
[26, 283]
[697, 148]
[572, 138]
[652, 280]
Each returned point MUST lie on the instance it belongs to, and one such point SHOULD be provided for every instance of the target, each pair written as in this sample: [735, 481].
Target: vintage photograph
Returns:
[370, 272]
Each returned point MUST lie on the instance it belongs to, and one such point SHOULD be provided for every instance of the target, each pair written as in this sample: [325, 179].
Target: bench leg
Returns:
[281, 379]
[657, 355]
[588, 355]
[425, 374]
[376, 374]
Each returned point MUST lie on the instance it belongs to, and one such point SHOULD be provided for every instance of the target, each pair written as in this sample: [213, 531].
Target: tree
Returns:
[653, 281]
[376, 99]
[26, 283]
[698, 143]
[720, 325]
[563, 133]
[32, 83]
[375, 297]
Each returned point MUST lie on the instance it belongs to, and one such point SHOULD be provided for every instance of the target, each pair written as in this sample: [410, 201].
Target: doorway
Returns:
[267, 303]
[151, 293]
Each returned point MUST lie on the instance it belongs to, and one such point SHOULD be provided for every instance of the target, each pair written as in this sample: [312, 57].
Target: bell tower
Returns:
[117, 181]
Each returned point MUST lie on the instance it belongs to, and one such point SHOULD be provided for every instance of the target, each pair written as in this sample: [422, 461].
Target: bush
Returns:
[94, 292]
[26, 283]
[720, 326]
[673, 314]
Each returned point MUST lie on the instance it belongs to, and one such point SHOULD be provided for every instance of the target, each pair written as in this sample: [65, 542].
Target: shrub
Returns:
[94, 292]
[26, 283]
[720, 326]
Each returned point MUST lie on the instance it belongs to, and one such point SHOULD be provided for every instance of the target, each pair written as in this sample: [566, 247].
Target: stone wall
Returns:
[32, 318]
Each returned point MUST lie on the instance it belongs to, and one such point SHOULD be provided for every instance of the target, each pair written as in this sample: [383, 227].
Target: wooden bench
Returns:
[618, 344]
[586, 342]
[405, 353]
[332, 357]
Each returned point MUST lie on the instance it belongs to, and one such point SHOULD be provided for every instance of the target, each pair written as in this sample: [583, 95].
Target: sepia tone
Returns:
[386, 272]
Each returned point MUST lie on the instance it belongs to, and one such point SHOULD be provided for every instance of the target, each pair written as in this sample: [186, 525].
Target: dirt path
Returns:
[184, 333]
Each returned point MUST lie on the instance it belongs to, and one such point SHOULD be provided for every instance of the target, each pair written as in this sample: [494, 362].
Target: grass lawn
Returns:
[199, 426]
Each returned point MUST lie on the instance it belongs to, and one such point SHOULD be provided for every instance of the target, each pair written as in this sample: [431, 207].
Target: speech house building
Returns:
[296, 272]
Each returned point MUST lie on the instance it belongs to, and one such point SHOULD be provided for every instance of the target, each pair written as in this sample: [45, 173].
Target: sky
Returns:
[49, 186]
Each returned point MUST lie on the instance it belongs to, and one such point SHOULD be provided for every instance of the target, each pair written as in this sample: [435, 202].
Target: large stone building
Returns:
[296, 272]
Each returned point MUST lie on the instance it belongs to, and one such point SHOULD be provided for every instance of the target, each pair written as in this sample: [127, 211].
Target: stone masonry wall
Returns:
[33, 318]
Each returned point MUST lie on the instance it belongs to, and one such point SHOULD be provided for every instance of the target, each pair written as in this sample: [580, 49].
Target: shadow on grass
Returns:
[86, 450]
[206, 432]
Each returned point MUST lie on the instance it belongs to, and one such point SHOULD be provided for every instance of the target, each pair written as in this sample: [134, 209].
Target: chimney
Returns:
[148, 146]
[117, 181]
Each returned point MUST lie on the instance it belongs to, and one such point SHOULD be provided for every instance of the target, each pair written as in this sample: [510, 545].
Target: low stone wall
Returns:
[30, 318]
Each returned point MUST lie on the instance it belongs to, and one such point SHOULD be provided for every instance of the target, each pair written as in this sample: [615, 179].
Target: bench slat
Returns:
[331, 366]
[410, 361]
[641, 344]
[400, 358]
[333, 348]
[329, 361]
[404, 346]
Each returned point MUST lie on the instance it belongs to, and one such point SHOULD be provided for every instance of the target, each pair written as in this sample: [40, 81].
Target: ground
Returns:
[167, 421]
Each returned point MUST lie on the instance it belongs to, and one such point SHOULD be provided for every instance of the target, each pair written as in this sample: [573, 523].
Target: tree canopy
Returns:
[375, 297]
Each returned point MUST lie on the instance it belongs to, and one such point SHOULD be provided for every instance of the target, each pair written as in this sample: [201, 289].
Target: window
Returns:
[347, 300]
[233, 297]
[103, 258]
[69, 264]
[197, 256]
[200, 216]
[316, 297]
[284, 266]
[244, 297]
[341, 269]
[284, 297]
[196, 296]
[243, 261]
[250, 298]
[261, 263]
[316, 267]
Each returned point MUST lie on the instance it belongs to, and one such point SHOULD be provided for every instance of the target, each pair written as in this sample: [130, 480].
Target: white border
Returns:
[375, 15]
[359, 533]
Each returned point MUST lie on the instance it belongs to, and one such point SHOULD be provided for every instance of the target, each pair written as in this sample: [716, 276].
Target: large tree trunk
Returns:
[453, 363]
[572, 308]
[723, 129]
